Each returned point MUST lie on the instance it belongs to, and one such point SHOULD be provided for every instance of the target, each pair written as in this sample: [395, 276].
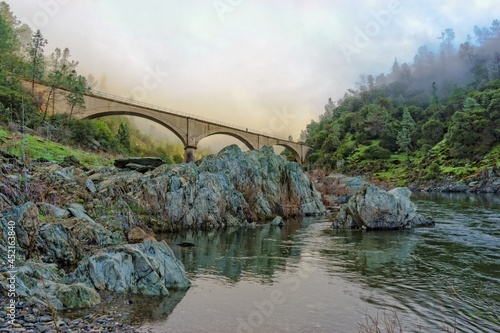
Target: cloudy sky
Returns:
[262, 64]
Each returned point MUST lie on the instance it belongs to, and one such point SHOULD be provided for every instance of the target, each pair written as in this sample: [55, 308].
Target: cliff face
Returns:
[73, 216]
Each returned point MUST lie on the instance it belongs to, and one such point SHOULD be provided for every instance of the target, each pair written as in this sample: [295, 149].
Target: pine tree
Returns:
[404, 135]
[124, 136]
[37, 44]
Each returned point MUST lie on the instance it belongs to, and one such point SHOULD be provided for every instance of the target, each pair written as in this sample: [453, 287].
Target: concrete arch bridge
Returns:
[190, 129]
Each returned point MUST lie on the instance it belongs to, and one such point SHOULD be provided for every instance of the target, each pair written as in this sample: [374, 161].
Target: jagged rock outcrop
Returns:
[375, 208]
[221, 190]
[149, 268]
[485, 181]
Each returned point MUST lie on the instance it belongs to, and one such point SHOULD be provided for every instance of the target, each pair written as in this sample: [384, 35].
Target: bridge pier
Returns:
[189, 154]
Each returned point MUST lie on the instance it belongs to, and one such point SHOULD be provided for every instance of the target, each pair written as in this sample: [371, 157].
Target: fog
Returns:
[264, 65]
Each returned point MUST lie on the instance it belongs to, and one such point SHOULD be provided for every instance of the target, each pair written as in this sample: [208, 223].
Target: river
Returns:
[305, 278]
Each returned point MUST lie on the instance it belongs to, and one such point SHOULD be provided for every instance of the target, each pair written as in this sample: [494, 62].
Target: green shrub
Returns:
[376, 153]
[433, 171]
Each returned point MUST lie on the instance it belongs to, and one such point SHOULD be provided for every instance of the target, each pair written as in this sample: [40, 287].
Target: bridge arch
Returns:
[294, 152]
[101, 114]
[248, 143]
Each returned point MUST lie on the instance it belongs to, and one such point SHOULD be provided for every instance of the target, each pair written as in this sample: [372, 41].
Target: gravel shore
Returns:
[37, 320]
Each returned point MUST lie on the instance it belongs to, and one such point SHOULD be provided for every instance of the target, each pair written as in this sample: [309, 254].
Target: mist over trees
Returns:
[23, 57]
[446, 100]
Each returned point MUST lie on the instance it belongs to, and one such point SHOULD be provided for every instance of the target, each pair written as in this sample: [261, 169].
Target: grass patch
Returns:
[36, 147]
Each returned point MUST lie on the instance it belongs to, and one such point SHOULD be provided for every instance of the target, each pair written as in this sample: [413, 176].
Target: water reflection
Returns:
[131, 309]
[236, 253]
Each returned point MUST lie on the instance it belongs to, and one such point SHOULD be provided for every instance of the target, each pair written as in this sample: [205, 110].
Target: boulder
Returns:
[89, 183]
[26, 221]
[56, 244]
[78, 211]
[141, 162]
[70, 160]
[278, 222]
[53, 211]
[137, 235]
[139, 168]
[93, 233]
[43, 284]
[247, 224]
[149, 268]
[375, 208]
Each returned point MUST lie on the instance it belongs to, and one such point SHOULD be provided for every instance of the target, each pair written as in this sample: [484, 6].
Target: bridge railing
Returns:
[133, 102]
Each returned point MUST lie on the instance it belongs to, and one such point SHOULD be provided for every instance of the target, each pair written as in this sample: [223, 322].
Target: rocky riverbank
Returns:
[358, 204]
[36, 319]
[79, 231]
[486, 181]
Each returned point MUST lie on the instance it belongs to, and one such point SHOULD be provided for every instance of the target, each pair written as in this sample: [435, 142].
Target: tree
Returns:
[36, 46]
[8, 38]
[329, 110]
[60, 75]
[395, 71]
[77, 85]
[467, 129]
[447, 38]
[124, 136]
[404, 135]
[432, 131]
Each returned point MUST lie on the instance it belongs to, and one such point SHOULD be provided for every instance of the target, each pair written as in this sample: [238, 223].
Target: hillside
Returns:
[433, 122]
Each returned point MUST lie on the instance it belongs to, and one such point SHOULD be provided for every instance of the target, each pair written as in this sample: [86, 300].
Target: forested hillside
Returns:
[434, 118]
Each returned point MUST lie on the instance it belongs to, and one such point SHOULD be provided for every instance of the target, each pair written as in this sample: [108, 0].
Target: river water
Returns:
[306, 278]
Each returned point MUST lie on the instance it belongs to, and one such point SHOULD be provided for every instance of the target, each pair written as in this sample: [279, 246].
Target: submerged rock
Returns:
[149, 268]
[375, 208]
